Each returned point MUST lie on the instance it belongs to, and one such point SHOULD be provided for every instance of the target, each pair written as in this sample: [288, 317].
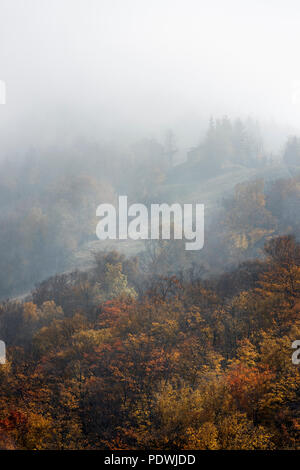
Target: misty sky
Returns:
[115, 68]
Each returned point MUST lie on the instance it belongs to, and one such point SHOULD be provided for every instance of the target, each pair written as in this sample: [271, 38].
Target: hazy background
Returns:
[122, 69]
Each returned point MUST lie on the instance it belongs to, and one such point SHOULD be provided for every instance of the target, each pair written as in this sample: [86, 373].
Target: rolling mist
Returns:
[117, 71]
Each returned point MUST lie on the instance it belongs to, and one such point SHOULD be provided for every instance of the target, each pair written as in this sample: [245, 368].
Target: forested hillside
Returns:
[49, 195]
[163, 349]
[97, 362]
[149, 229]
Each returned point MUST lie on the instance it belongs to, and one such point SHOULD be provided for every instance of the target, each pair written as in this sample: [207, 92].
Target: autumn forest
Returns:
[152, 347]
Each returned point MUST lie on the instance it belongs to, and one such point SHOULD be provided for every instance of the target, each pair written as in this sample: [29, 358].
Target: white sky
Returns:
[129, 67]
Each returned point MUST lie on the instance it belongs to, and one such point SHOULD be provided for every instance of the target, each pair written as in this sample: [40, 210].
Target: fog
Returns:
[115, 69]
[149, 226]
